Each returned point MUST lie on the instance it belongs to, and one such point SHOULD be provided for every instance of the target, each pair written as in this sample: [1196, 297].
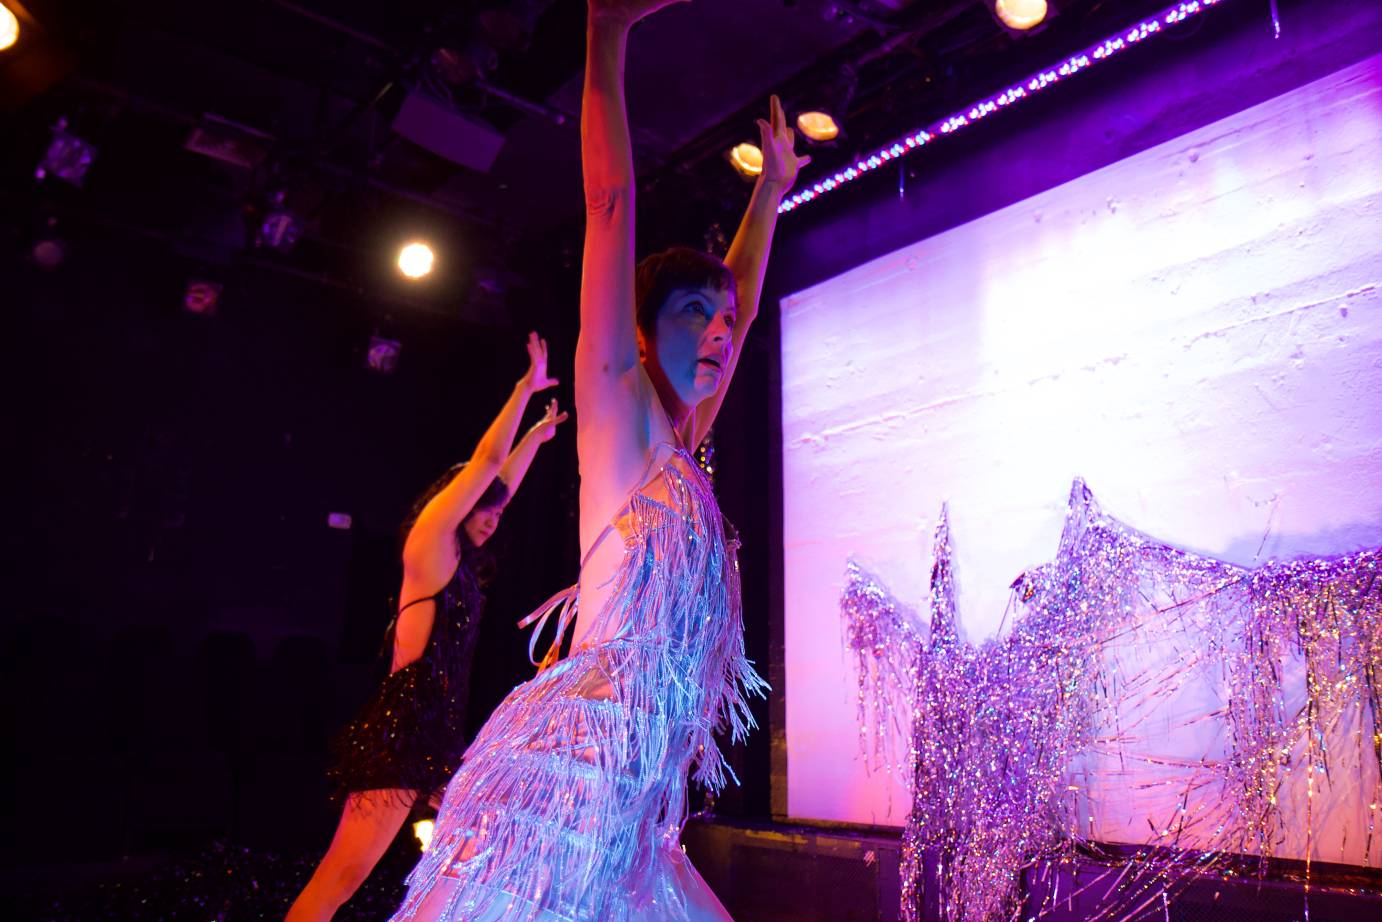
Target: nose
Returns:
[721, 330]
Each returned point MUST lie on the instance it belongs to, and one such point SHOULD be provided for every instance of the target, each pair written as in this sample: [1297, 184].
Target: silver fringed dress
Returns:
[569, 804]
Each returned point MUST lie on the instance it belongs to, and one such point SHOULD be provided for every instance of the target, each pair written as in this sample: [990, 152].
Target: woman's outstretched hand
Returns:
[626, 12]
[780, 160]
[535, 379]
[545, 428]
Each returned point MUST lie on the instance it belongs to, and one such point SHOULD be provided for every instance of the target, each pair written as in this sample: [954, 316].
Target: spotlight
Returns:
[202, 297]
[747, 159]
[818, 110]
[9, 28]
[818, 126]
[422, 829]
[1019, 15]
[415, 260]
[68, 157]
[383, 354]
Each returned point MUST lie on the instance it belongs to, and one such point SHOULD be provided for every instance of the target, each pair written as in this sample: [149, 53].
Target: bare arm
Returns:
[748, 254]
[429, 552]
[516, 467]
[607, 346]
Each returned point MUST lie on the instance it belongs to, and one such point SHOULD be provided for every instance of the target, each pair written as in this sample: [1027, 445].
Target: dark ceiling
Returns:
[312, 91]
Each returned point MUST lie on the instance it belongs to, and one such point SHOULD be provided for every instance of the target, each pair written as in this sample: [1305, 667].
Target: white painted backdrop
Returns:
[1196, 330]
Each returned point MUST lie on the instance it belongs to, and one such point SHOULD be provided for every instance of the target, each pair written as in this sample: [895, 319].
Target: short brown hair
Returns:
[660, 274]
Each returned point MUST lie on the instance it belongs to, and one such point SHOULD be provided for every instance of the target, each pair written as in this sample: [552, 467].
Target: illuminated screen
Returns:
[1195, 330]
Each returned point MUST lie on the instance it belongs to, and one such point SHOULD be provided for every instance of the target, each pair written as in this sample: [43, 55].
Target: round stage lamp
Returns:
[9, 28]
[1020, 14]
[747, 159]
[49, 253]
[415, 260]
[818, 126]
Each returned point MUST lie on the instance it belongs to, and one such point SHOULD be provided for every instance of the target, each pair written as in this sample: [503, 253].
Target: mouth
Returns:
[712, 362]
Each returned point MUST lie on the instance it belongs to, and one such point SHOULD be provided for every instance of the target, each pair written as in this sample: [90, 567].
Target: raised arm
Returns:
[607, 346]
[429, 552]
[516, 467]
[748, 254]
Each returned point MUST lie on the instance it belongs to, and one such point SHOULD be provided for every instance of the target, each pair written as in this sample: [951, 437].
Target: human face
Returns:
[481, 523]
[694, 341]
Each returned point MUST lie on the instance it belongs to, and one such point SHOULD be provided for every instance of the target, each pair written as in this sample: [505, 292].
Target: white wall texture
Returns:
[1196, 331]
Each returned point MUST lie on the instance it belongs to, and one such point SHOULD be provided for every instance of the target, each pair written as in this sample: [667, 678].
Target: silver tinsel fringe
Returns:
[1027, 749]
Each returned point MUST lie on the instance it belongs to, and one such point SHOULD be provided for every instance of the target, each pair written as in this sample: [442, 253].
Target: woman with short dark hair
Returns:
[569, 804]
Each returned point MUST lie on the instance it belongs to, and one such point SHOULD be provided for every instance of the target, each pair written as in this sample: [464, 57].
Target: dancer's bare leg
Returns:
[368, 825]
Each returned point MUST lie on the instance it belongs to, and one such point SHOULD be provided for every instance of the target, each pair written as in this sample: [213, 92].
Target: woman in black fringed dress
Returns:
[407, 742]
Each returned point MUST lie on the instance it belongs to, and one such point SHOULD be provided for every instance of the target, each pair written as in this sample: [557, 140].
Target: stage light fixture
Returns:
[68, 157]
[202, 297]
[818, 126]
[422, 829]
[1143, 31]
[383, 354]
[415, 260]
[822, 111]
[1019, 15]
[49, 250]
[49, 253]
[9, 28]
[747, 159]
[280, 228]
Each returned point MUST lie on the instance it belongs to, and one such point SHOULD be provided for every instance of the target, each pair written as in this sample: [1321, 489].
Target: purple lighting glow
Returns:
[1092, 55]
[383, 354]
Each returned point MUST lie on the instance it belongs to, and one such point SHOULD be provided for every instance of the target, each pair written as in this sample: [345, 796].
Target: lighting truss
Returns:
[1097, 53]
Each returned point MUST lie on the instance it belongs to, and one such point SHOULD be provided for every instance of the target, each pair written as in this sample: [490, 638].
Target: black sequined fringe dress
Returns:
[411, 734]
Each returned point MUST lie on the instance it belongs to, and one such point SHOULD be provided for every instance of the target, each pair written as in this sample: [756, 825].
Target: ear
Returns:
[642, 345]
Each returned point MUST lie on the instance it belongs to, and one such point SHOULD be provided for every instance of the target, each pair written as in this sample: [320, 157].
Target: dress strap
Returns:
[393, 622]
[427, 598]
[568, 600]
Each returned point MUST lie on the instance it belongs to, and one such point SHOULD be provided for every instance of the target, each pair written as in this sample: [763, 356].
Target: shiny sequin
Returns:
[410, 736]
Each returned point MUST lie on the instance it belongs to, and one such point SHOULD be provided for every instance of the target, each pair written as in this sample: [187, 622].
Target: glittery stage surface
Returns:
[1201, 712]
[221, 882]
